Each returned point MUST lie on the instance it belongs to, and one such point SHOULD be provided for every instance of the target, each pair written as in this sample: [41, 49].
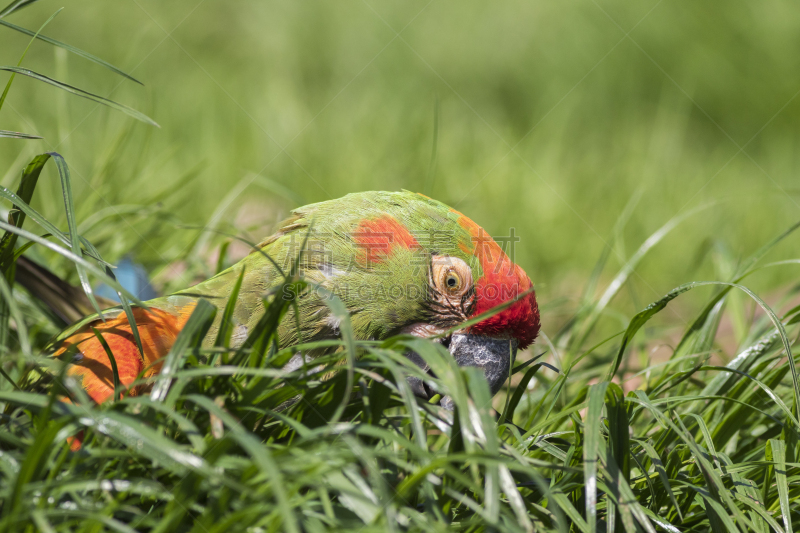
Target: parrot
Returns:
[400, 262]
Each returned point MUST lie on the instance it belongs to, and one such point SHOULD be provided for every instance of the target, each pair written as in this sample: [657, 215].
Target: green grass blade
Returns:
[662, 475]
[21, 207]
[508, 415]
[71, 49]
[259, 453]
[112, 359]
[713, 483]
[84, 94]
[17, 135]
[709, 442]
[761, 512]
[223, 253]
[514, 498]
[587, 295]
[340, 314]
[190, 336]
[15, 5]
[267, 324]
[719, 519]
[89, 518]
[226, 325]
[591, 450]
[72, 257]
[69, 209]
[746, 491]
[33, 466]
[20, 200]
[628, 268]
[778, 449]
[744, 270]
[786, 344]
[184, 424]
[742, 362]
[639, 320]
[126, 306]
[147, 442]
[483, 425]
[660, 521]
[619, 440]
[626, 501]
[11, 79]
[9, 309]
[719, 492]
[569, 510]
[427, 352]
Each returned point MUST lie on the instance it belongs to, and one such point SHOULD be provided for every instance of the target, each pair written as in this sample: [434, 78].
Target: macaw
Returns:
[400, 262]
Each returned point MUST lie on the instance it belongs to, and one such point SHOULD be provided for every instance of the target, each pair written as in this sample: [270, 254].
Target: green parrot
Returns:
[400, 262]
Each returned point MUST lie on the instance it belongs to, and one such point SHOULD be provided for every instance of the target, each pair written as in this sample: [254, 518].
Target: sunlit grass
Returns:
[626, 415]
[227, 439]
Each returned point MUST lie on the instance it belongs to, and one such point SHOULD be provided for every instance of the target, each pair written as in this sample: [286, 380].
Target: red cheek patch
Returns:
[378, 237]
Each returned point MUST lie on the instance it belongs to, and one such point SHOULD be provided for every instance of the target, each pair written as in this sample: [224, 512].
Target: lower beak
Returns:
[493, 356]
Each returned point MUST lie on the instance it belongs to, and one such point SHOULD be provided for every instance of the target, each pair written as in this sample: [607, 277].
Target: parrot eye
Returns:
[452, 281]
[450, 275]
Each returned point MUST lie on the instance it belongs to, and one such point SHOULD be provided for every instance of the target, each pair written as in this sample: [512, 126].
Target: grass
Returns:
[680, 415]
[215, 445]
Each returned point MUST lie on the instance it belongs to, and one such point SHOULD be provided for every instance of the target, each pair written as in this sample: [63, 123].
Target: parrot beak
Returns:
[493, 356]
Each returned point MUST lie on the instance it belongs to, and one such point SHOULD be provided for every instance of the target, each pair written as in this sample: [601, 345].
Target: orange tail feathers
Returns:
[91, 365]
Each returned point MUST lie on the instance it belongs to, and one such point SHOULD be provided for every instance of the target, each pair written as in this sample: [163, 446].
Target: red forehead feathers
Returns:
[502, 281]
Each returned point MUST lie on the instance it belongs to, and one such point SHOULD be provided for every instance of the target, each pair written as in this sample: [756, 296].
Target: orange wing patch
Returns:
[158, 330]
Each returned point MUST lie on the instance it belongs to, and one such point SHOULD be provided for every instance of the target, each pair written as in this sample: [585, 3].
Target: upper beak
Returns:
[493, 356]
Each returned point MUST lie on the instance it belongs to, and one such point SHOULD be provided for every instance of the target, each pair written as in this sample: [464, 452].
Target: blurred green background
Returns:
[546, 117]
